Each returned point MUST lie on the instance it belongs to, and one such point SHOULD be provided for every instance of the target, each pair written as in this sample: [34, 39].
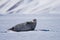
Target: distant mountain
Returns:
[29, 6]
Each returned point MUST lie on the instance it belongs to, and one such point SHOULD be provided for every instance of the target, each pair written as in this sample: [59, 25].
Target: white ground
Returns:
[48, 22]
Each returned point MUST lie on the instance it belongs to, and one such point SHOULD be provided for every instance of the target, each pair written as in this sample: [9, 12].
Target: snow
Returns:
[30, 36]
[47, 13]
[47, 22]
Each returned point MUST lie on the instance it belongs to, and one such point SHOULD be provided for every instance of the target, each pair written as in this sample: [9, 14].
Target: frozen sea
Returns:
[46, 21]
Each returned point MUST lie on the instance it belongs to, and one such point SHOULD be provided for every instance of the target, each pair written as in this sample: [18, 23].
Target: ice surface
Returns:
[34, 35]
[45, 22]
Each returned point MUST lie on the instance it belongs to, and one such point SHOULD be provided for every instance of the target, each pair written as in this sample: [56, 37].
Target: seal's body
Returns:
[27, 26]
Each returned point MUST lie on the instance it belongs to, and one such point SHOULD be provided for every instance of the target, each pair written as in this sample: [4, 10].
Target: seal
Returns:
[27, 26]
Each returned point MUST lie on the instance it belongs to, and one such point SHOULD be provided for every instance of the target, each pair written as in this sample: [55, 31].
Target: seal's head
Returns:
[31, 22]
[34, 20]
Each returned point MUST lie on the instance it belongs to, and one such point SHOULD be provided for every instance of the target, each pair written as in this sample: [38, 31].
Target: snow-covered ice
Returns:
[47, 22]
[34, 35]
